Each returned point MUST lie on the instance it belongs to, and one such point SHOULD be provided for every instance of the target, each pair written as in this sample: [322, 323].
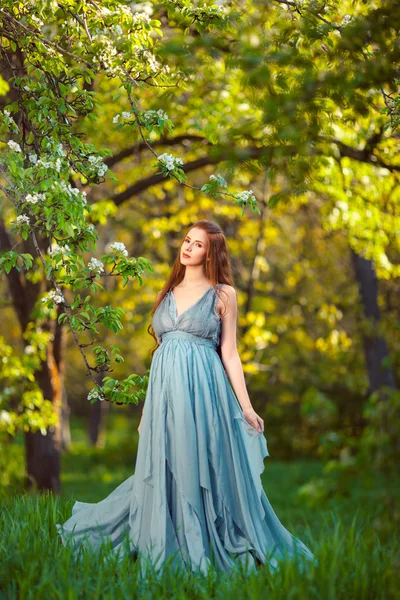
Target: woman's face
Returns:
[194, 247]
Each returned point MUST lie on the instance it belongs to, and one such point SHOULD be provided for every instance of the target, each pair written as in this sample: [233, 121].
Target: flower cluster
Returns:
[105, 54]
[117, 247]
[346, 20]
[68, 189]
[94, 394]
[151, 60]
[38, 22]
[154, 115]
[246, 196]
[221, 181]
[58, 298]
[125, 115]
[34, 198]
[56, 249]
[96, 265]
[140, 18]
[8, 120]
[170, 161]
[14, 146]
[97, 163]
[47, 164]
[147, 58]
[23, 219]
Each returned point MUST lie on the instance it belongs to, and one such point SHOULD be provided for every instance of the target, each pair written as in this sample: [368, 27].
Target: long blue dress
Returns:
[196, 497]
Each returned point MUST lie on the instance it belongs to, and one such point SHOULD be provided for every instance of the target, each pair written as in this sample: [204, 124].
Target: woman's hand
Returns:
[253, 418]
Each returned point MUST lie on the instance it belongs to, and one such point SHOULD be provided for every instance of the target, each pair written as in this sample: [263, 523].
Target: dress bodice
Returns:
[200, 319]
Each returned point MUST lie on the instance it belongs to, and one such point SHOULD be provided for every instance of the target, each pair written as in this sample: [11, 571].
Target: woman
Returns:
[196, 497]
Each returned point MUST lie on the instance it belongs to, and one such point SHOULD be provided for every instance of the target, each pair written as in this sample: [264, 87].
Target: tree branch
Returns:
[140, 146]
[223, 154]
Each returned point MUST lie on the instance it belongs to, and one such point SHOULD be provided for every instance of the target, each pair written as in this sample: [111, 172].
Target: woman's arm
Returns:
[231, 359]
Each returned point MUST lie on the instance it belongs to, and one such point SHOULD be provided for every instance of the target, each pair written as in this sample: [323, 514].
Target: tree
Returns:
[52, 54]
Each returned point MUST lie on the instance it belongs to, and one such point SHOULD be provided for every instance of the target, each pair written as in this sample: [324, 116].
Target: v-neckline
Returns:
[176, 317]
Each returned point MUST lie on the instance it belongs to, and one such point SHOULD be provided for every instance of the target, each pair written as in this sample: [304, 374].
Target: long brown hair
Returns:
[217, 269]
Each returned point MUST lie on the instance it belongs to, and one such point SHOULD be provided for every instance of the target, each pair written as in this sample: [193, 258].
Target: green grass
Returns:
[355, 539]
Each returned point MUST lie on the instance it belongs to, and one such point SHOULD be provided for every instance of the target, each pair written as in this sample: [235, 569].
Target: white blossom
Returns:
[29, 349]
[34, 198]
[246, 196]
[151, 115]
[123, 9]
[73, 192]
[153, 62]
[58, 298]
[23, 219]
[126, 115]
[170, 161]
[116, 118]
[14, 146]
[97, 162]
[118, 247]
[140, 18]
[102, 170]
[96, 265]
[36, 20]
[95, 395]
[9, 120]
[33, 158]
[48, 164]
[221, 180]
[54, 295]
[56, 249]
[346, 20]
[106, 53]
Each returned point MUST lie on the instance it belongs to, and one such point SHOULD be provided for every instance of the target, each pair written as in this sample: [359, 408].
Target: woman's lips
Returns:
[185, 255]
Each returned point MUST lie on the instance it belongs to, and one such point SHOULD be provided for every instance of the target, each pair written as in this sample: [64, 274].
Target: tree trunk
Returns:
[375, 348]
[65, 413]
[60, 343]
[42, 452]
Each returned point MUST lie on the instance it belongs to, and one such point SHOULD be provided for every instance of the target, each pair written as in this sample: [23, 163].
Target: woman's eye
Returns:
[197, 244]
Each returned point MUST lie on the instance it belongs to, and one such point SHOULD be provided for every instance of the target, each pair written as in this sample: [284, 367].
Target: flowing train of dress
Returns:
[196, 496]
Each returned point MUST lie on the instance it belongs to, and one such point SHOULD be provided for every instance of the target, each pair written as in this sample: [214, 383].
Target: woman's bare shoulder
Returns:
[228, 289]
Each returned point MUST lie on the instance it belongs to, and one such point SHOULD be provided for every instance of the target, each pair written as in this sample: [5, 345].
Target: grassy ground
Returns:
[354, 538]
